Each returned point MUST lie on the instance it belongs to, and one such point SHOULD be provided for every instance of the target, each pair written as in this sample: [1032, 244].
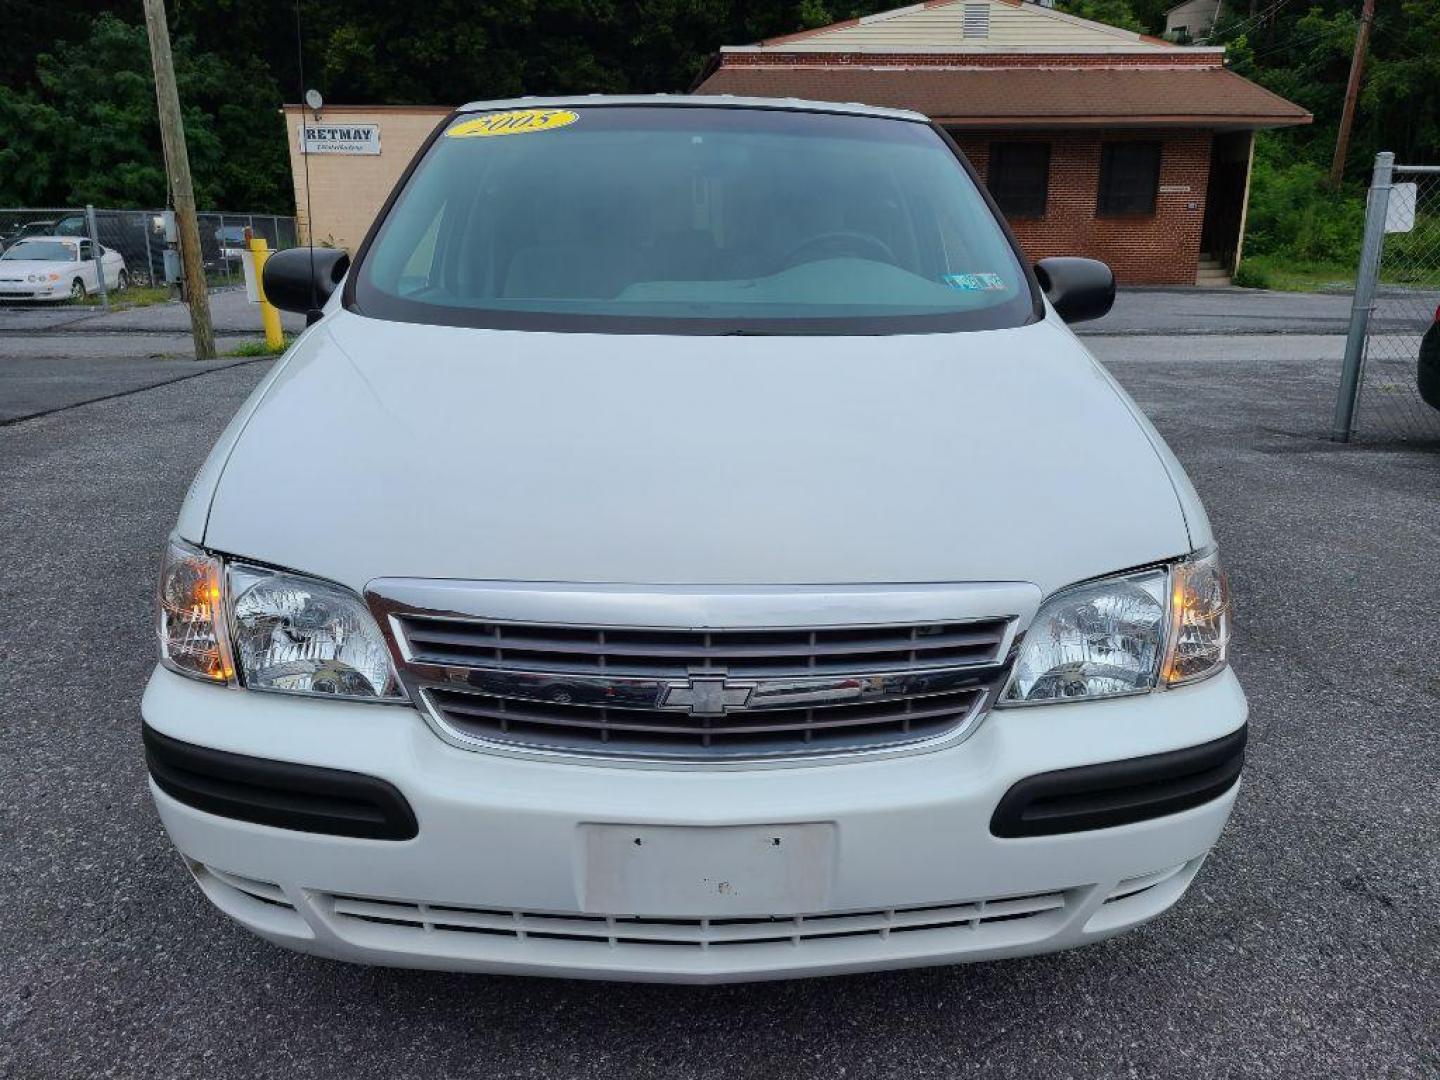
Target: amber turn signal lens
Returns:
[1199, 638]
[191, 617]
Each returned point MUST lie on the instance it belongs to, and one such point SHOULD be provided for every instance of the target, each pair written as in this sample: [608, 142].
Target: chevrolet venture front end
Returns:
[688, 544]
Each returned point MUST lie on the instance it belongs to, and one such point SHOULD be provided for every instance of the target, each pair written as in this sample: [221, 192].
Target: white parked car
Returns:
[689, 545]
[231, 242]
[58, 268]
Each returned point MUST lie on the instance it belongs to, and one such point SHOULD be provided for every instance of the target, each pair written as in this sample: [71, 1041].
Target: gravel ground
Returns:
[1307, 947]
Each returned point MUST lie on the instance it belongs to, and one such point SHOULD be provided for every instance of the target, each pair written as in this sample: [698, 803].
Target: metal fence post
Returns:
[99, 262]
[1376, 205]
[149, 259]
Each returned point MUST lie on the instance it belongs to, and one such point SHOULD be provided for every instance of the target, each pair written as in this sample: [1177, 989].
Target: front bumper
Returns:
[497, 878]
[22, 293]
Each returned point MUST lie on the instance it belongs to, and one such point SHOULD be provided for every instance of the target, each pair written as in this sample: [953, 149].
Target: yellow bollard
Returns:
[269, 314]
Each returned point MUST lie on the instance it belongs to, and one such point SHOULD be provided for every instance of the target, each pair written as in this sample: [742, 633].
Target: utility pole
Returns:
[1352, 91]
[177, 160]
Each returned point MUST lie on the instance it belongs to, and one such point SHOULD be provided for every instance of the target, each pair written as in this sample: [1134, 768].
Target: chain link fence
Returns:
[139, 236]
[1390, 380]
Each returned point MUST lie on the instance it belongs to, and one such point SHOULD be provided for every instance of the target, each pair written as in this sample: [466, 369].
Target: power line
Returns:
[1253, 21]
[1293, 42]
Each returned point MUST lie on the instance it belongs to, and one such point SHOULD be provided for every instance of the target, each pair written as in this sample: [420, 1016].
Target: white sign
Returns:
[252, 280]
[340, 139]
[1400, 211]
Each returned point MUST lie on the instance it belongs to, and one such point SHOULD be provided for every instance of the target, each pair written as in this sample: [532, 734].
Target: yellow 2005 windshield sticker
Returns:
[518, 122]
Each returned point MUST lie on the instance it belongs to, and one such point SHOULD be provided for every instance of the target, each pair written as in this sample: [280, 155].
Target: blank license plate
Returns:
[713, 871]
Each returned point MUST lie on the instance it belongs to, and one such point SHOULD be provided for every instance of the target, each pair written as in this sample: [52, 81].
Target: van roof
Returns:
[691, 100]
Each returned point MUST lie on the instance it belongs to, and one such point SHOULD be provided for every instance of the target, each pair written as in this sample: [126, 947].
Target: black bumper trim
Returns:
[1120, 792]
[283, 794]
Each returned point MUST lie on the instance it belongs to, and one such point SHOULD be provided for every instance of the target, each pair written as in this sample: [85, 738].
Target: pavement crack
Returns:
[130, 391]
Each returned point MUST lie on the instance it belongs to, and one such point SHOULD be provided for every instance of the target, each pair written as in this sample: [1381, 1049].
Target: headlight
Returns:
[303, 636]
[284, 632]
[1125, 635]
[192, 615]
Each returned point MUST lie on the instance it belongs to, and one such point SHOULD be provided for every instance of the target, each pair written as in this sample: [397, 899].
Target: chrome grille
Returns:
[610, 682]
[652, 732]
[742, 653]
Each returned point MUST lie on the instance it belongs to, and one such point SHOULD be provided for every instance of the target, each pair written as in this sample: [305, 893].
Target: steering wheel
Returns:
[830, 245]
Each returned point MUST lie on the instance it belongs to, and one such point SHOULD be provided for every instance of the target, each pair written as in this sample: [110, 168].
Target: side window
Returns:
[1019, 177]
[1129, 178]
[87, 250]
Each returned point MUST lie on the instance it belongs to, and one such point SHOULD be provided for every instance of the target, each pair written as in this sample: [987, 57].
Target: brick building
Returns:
[1093, 140]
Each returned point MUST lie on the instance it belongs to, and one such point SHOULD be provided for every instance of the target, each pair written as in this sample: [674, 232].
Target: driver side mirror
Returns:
[290, 285]
[1078, 289]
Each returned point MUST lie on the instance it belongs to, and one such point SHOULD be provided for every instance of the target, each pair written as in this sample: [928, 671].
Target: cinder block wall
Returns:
[347, 190]
[1163, 249]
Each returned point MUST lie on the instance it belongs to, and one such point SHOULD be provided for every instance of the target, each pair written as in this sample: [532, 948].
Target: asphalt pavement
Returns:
[59, 356]
[1307, 947]
[230, 314]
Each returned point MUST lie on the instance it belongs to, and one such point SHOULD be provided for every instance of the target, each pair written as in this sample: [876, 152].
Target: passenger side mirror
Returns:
[1078, 289]
[290, 285]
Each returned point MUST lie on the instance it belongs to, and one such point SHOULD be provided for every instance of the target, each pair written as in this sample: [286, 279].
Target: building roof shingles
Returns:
[1028, 96]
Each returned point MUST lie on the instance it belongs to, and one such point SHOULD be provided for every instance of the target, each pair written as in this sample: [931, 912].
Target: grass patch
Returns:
[144, 296]
[134, 296]
[1293, 275]
[259, 348]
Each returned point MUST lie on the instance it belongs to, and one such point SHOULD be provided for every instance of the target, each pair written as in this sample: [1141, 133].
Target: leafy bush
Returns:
[1413, 258]
[1293, 213]
[1251, 275]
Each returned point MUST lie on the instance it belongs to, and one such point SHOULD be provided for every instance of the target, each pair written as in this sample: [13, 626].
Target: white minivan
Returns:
[688, 544]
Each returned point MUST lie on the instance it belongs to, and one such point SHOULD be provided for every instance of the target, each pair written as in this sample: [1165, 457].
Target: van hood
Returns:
[381, 449]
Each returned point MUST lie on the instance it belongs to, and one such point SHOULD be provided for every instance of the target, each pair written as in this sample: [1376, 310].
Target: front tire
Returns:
[1428, 372]
[77, 291]
[122, 281]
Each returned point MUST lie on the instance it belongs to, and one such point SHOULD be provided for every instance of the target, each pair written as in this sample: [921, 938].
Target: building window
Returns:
[1019, 177]
[1129, 178]
[976, 23]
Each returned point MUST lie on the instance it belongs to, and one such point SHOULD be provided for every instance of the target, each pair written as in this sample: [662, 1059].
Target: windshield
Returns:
[40, 251]
[692, 220]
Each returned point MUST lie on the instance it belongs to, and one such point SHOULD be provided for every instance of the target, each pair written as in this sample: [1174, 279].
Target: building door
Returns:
[1225, 197]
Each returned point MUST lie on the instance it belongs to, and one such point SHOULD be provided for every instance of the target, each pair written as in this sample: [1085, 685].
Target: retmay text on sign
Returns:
[340, 139]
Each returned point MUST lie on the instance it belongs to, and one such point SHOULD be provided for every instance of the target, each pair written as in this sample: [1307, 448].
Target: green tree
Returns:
[1112, 12]
[86, 130]
[76, 72]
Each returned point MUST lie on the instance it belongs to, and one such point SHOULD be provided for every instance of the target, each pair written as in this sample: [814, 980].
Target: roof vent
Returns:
[977, 21]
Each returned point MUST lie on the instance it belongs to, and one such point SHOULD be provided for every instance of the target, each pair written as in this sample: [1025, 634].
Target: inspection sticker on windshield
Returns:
[974, 282]
[518, 122]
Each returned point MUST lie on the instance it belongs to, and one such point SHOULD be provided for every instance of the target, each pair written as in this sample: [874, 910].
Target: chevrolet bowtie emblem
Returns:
[706, 695]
